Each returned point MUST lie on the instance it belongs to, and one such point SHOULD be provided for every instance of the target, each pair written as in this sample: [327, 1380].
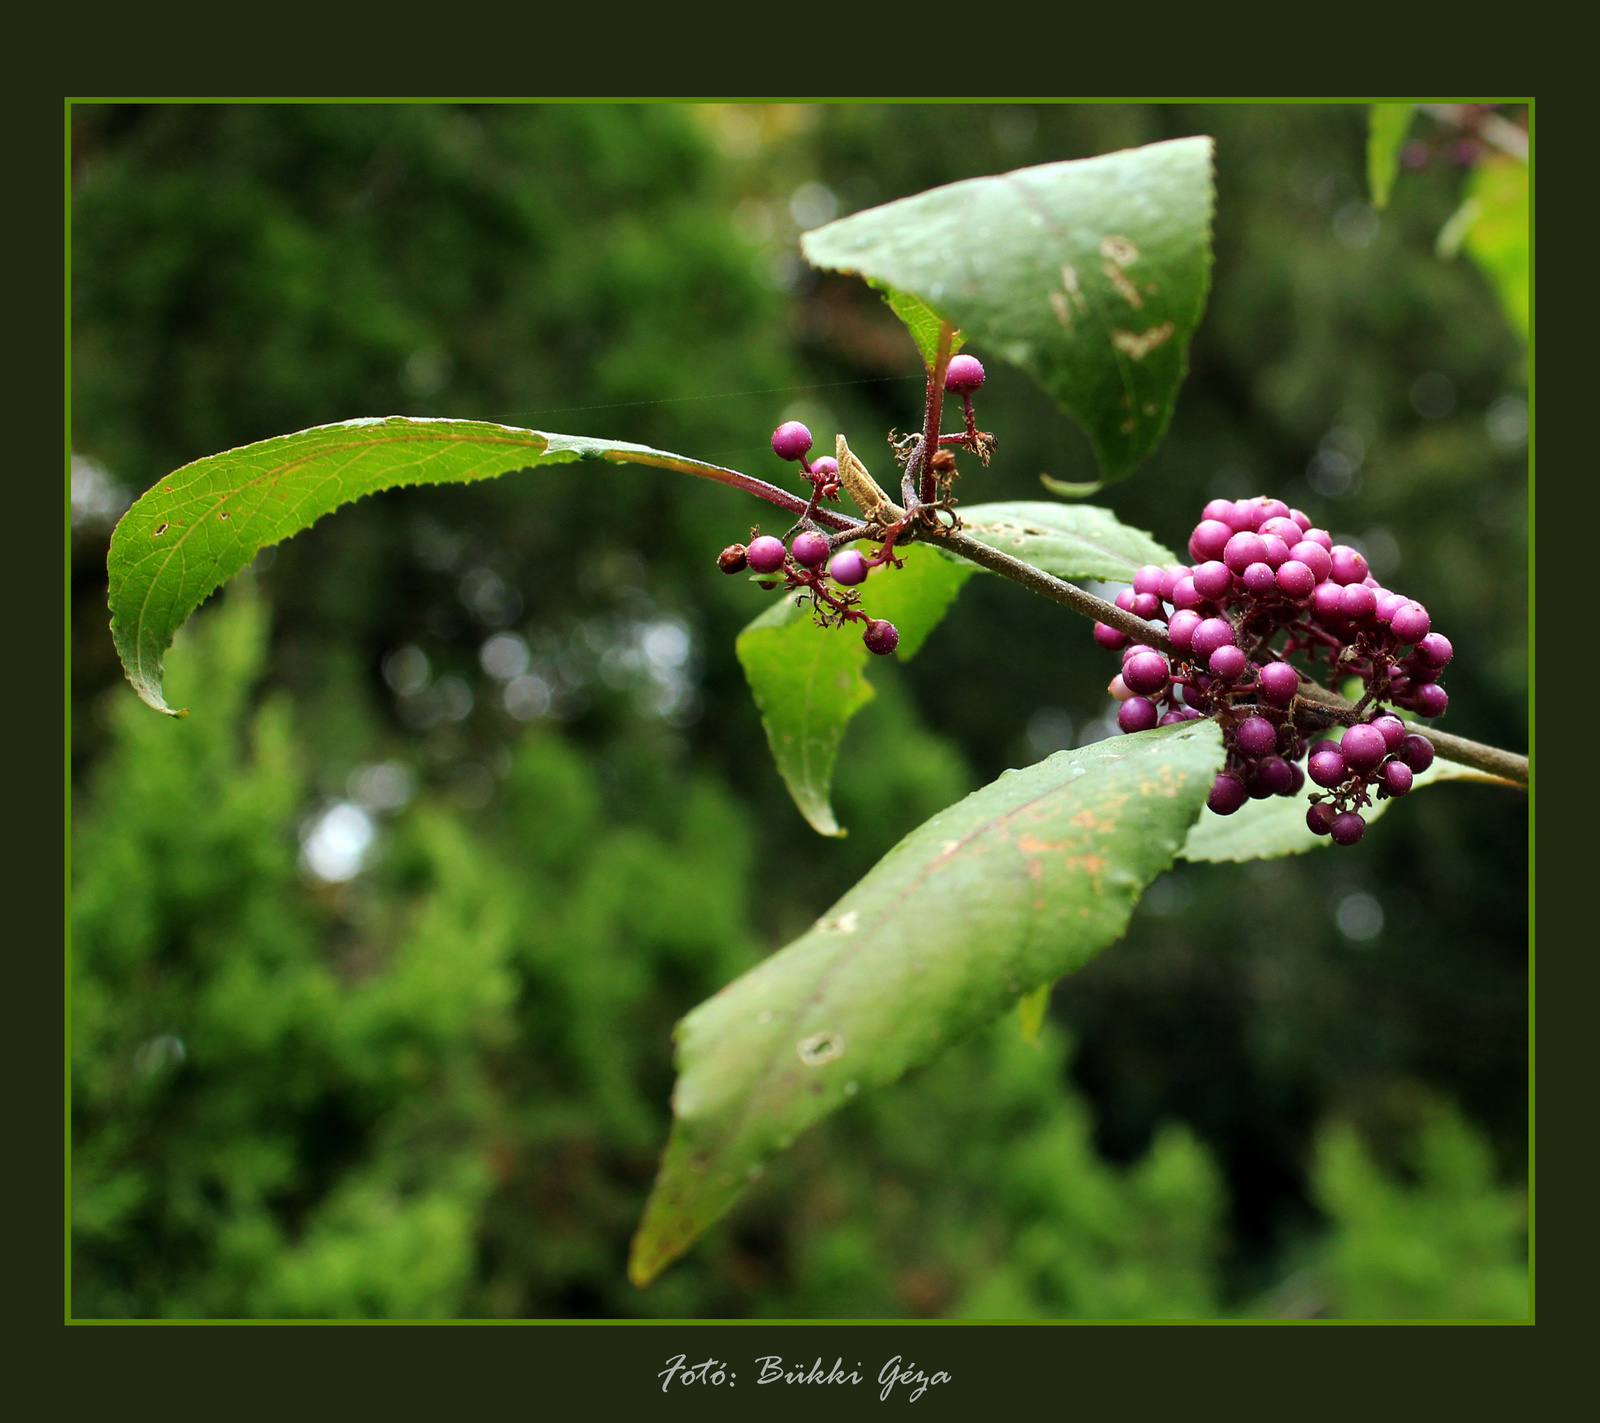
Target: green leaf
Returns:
[1069, 490]
[1090, 274]
[923, 322]
[1012, 887]
[1271, 828]
[1386, 131]
[808, 680]
[1031, 1008]
[203, 523]
[1498, 240]
[1068, 540]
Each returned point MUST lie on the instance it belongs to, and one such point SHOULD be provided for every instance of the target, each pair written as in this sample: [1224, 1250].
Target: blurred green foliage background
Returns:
[377, 954]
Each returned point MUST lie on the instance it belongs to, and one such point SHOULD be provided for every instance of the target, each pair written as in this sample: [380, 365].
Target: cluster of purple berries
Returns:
[1266, 585]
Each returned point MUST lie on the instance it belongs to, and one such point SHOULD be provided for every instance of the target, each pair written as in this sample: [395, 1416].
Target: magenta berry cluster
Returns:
[1266, 591]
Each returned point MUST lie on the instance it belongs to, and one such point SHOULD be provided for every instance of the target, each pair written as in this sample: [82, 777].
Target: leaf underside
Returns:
[1012, 887]
[1068, 540]
[1089, 274]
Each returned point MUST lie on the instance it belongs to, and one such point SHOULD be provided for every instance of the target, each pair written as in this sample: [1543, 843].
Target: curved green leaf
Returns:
[1386, 131]
[1498, 240]
[203, 523]
[808, 682]
[1271, 828]
[1012, 887]
[1090, 274]
[1068, 540]
[922, 321]
[1069, 489]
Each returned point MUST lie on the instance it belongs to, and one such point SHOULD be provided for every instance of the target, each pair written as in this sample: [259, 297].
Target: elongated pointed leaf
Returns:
[1498, 240]
[1271, 828]
[1386, 131]
[1031, 1008]
[922, 321]
[1012, 887]
[203, 523]
[808, 682]
[1068, 540]
[1090, 274]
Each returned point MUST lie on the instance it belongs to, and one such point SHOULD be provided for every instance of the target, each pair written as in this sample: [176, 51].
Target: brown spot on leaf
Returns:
[1139, 344]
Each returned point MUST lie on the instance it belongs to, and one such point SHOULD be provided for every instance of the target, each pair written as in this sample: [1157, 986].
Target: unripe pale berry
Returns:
[732, 559]
[1209, 636]
[765, 554]
[881, 636]
[1295, 579]
[1145, 672]
[1256, 736]
[1228, 662]
[1416, 751]
[1119, 689]
[1347, 828]
[1137, 714]
[848, 568]
[1279, 682]
[809, 549]
[1320, 818]
[790, 440]
[1228, 793]
[1431, 700]
[1396, 777]
[1109, 637]
[1410, 623]
[964, 374]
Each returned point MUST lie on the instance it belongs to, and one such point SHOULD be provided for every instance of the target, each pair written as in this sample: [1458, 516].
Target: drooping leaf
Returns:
[921, 320]
[1068, 540]
[1090, 274]
[808, 680]
[1271, 828]
[1386, 131]
[1498, 240]
[1019, 883]
[1067, 489]
[1031, 1008]
[203, 523]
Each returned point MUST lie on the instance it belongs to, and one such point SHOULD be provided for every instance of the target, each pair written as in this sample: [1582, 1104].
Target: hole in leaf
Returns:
[161, 530]
[820, 1048]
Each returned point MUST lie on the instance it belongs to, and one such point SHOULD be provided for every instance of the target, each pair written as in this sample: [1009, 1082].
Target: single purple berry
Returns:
[1347, 828]
[1283, 528]
[1393, 729]
[1273, 509]
[1348, 565]
[1295, 580]
[765, 554]
[1257, 736]
[1147, 605]
[1435, 650]
[1242, 550]
[1388, 605]
[1124, 599]
[1171, 718]
[1410, 623]
[1228, 793]
[1259, 580]
[732, 559]
[1326, 768]
[1357, 602]
[1228, 663]
[1279, 682]
[1181, 629]
[1209, 636]
[809, 549]
[791, 440]
[1320, 818]
[881, 636]
[1303, 520]
[1417, 752]
[1169, 580]
[1297, 778]
[1209, 539]
[1315, 557]
[848, 568]
[1137, 714]
[1148, 579]
[1431, 700]
[1218, 509]
[1277, 550]
[964, 374]
[1320, 536]
[1185, 594]
[1326, 602]
[1396, 777]
[1212, 580]
[827, 466]
[1277, 775]
[1110, 638]
[1244, 517]
[1146, 673]
[1363, 748]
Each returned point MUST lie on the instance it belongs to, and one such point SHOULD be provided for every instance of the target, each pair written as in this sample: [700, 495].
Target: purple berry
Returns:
[1147, 605]
[1277, 775]
[1348, 565]
[1297, 779]
[1363, 748]
[1410, 623]
[1212, 580]
[1326, 602]
[1302, 520]
[1277, 550]
[1209, 539]
[1273, 509]
[1357, 602]
[765, 554]
[1320, 536]
[1256, 736]
[1137, 714]
[1259, 580]
[1124, 599]
[1347, 828]
[809, 549]
[1396, 777]
[963, 375]
[1145, 673]
[848, 568]
[1171, 718]
[1327, 768]
[1393, 729]
[1320, 818]
[881, 636]
[1228, 663]
[791, 440]
[1209, 636]
[1283, 528]
[1431, 700]
[1388, 605]
[1435, 650]
[827, 467]
[1242, 550]
[1218, 509]
[1149, 579]
[1315, 557]
[1180, 630]
[1295, 579]
[1279, 682]
[1185, 594]
[1244, 517]
[732, 559]
[1417, 752]
[1110, 638]
[1228, 793]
